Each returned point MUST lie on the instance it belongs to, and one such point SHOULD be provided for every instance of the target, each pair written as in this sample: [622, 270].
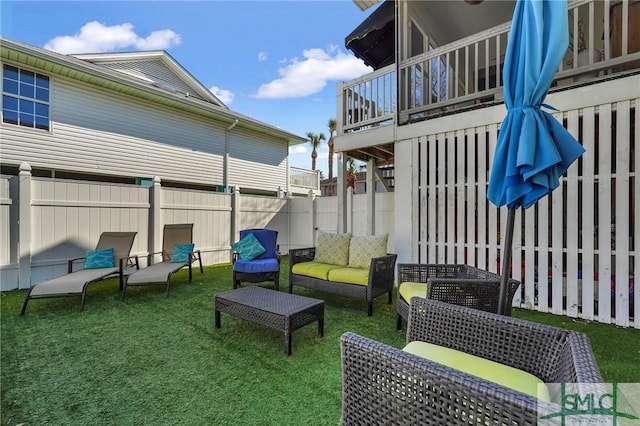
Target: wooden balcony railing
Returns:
[604, 40]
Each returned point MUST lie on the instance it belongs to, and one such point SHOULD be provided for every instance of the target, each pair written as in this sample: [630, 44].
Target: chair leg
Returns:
[83, 298]
[370, 309]
[389, 296]
[24, 305]
[276, 281]
[124, 291]
[399, 322]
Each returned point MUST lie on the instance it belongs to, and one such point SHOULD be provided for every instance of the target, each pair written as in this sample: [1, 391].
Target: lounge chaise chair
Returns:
[177, 253]
[109, 259]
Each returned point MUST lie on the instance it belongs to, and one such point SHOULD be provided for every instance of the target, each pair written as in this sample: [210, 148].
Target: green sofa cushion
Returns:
[332, 248]
[350, 276]
[363, 249]
[408, 290]
[314, 269]
[495, 372]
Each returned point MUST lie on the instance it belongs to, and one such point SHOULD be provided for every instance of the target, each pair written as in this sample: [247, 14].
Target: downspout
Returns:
[225, 162]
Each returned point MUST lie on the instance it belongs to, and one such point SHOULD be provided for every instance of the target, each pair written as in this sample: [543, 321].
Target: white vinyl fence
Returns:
[44, 222]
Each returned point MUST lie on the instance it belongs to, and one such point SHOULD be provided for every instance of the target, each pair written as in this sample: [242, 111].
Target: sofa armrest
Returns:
[553, 354]
[385, 385]
[301, 255]
[382, 271]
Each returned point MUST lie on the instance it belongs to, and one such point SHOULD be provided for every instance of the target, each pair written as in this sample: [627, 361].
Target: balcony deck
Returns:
[468, 73]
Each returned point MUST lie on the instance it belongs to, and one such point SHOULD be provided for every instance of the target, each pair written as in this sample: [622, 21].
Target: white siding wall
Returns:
[101, 132]
[257, 161]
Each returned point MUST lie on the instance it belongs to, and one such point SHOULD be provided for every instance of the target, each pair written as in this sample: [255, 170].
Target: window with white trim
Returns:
[25, 98]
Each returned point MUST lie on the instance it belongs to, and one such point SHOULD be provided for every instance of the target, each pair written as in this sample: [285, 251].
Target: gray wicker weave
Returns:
[274, 309]
[461, 285]
[381, 278]
[382, 385]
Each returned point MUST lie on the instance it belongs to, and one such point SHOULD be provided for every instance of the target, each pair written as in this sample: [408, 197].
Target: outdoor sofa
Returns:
[459, 284]
[384, 385]
[357, 267]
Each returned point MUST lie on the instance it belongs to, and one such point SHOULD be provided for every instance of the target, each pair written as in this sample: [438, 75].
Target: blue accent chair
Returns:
[265, 267]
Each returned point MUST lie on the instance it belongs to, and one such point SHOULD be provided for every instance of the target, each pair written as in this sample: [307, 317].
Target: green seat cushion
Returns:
[314, 269]
[408, 289]
[350, 276]
[492, 371]
[363, 249]
[332, 248]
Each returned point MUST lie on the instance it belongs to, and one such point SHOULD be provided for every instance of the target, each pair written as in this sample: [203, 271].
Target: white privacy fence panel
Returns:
[302, 222]
[67, 218]
[210, 213]
[8, 266]
[575, 250]
[265, 212]
[326, 214]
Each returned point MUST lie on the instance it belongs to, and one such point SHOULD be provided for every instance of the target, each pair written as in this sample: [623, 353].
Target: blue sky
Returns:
[276, 61]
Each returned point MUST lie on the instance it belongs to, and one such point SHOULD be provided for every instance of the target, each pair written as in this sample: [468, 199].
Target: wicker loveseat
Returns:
[458, 284]
[367, 279]
[383, 385]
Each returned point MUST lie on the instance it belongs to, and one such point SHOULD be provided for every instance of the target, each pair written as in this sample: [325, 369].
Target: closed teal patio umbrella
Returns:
[533, 150]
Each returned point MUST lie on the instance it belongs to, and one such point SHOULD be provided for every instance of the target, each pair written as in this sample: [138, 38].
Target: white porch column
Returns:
[371, 197]
[24, 227]
[341, 187]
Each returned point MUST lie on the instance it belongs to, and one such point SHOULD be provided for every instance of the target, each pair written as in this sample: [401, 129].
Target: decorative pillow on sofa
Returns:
[363, 249]
[332, 248]
[181, 253]
[100, 258]
[249, 247]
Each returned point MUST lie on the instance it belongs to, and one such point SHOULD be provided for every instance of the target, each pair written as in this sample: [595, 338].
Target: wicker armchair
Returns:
[461, 285]
[382, 385]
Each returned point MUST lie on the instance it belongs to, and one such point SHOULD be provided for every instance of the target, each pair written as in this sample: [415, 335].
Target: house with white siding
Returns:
[128, 118]
[432, 108]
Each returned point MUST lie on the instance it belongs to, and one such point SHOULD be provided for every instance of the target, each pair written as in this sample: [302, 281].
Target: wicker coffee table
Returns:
[274, 309]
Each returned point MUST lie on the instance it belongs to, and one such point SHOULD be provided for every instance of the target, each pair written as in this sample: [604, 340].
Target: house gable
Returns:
[157, 68]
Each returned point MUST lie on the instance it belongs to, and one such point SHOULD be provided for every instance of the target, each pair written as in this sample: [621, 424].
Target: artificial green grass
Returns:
[153, 360]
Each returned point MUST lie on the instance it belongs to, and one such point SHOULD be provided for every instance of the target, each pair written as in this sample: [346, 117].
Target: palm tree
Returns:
[315, 143]
[332, 129]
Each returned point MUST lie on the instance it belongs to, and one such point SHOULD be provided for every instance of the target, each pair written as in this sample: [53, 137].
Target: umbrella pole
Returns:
[506, 261]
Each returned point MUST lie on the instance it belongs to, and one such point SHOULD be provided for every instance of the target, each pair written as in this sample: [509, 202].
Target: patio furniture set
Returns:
[462, 364]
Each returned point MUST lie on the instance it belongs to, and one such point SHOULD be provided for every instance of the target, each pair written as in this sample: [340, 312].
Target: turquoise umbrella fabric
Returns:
[533, 150]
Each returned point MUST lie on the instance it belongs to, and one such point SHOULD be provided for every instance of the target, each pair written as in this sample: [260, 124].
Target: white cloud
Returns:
[298, 149]
[300, 78]
[226, 96]
[262, 56]
[95, 37]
